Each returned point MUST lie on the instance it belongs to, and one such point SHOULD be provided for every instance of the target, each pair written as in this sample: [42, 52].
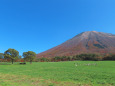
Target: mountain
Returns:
[86, 42]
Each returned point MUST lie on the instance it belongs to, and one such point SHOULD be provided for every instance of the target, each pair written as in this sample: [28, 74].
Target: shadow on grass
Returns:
[5, 63]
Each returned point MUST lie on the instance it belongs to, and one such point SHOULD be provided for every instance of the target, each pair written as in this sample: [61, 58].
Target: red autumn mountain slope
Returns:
[86, 42]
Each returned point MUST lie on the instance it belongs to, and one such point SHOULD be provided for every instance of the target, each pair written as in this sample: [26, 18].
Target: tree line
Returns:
[82, 57]
[12, 55]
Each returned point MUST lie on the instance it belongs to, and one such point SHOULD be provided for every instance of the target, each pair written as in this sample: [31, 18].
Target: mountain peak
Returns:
[88, 34]
[91, 32]
[86, 42]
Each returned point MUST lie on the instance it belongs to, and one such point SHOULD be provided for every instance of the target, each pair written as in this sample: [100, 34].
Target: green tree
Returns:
[87, 57]
[57, 58]
[30, 55]
[110, 57]
[1, 55]
[11, 54]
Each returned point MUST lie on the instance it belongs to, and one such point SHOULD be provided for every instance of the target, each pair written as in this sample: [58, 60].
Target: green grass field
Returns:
[58, 74]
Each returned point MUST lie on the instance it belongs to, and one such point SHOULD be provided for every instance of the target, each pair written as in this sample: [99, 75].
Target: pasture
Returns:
[70, 73]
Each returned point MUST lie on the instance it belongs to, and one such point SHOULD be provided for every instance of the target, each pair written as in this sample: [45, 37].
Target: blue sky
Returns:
[38, 25]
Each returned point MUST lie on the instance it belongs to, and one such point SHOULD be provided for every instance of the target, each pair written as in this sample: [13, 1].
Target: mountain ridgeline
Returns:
[86, 42]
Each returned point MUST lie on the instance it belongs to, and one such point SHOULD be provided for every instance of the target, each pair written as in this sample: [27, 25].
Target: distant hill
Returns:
[86, 42]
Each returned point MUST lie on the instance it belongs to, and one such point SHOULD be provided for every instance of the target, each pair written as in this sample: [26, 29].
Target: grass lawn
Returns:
[58, 74]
